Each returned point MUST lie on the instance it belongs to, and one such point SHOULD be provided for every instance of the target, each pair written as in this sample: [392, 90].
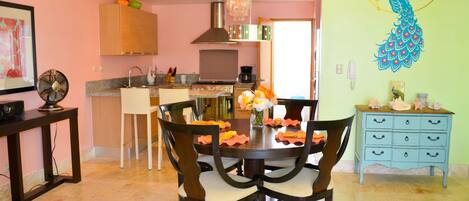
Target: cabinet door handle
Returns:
[433, 139]
[378, 154]
[378, 138]
[406, 154]
[379, 122]
[406, 138]
[407, 122]
[434, 123]
[433, 156]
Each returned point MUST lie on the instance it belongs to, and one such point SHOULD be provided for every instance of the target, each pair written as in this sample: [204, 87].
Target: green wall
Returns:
[351, 30]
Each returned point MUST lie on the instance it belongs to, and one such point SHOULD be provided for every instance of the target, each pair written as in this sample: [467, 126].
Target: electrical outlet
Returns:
[339, 69]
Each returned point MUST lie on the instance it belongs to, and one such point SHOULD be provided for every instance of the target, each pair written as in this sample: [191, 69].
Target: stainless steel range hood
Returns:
[217, 32]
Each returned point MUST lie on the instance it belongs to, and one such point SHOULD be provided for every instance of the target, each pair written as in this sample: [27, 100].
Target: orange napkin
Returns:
[229, 138]
[221, 124]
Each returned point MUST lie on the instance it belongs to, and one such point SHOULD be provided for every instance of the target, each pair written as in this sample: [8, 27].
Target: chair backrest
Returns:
[294, 108]
[338, 134]
[173, 95]
[186, 161]
[135, 100]
[175, 111]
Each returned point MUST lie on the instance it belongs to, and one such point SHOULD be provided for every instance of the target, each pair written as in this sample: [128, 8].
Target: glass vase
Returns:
[257, 118]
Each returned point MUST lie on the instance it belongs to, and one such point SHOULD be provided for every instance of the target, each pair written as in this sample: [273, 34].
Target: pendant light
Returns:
[250, 32]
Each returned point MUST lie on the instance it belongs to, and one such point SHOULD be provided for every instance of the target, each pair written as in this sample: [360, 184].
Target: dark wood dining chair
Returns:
[198, 185]
[174, 112]
[311, 182]
[293, 107]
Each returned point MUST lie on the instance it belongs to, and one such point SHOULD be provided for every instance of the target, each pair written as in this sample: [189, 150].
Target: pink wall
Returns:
[180, 24]
[67, 37]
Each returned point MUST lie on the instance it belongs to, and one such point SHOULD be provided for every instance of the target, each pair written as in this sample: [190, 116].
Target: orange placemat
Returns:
[221, 124]
[229, 138]
[277, 122]
[297, 137]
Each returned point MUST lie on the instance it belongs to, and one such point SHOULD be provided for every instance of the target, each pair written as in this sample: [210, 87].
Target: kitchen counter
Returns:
[154, 92]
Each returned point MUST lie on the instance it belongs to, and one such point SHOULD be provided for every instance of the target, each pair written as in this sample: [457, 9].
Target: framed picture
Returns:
[18, 71]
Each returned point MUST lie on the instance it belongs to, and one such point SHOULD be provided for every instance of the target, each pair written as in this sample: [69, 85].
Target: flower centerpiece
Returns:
[257, 102]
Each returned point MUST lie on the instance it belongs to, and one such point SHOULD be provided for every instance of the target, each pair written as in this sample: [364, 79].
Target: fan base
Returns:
[47, 108]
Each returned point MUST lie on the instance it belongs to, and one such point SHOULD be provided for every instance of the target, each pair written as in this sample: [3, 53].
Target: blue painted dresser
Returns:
[402, 139]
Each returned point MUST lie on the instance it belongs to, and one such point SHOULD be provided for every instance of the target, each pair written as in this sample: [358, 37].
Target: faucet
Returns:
[130, 73]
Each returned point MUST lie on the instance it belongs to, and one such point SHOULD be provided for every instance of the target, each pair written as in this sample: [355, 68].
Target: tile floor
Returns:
[103, 180]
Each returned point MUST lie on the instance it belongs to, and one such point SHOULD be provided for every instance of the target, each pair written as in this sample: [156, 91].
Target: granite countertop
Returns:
[154, 92]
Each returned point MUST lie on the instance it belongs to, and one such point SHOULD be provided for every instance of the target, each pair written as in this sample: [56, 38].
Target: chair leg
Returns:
[122, 141]
[150, 163]
[160, 151]
[329, 197]
[136, 136]
[239, 168]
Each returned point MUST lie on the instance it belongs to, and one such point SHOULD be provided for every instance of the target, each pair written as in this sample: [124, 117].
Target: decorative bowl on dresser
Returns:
[403, 139]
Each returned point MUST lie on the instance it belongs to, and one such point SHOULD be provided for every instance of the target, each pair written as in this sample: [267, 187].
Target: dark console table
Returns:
[33, 119]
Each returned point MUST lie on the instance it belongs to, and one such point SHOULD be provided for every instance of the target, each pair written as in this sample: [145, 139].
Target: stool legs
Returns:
[136, 136]
[122, 140]
[160, 153]
[150, 164]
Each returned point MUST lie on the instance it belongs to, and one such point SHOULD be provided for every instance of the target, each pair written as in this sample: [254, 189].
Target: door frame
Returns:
[313, 53]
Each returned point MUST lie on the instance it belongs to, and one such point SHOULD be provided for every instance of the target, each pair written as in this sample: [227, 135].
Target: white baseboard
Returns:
[455, 170]
[37, 177]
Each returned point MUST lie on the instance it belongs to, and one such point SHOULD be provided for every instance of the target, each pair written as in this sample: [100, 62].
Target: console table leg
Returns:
[75, 148]
[432, 170]
[362, 172]
[445, 178]
[47, 153]
[16, 172]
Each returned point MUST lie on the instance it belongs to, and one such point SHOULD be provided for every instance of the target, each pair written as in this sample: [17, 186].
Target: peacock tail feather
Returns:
[405, 41]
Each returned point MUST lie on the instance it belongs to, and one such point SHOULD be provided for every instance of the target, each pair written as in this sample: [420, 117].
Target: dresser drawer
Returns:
[434, 123]
[407, 122]
[432, 155]
[378, 138]
[406, 139]
[378, 154]
[379, 121]
[405, 155]
[432, 140]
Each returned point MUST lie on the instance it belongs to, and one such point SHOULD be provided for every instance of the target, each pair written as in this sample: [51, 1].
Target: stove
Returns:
[216, 108]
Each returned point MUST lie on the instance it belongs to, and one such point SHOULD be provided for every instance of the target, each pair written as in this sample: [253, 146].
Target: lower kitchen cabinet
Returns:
[403, 139]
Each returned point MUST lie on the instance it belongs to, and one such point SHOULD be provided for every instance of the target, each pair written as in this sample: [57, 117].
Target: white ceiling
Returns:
[206, 1]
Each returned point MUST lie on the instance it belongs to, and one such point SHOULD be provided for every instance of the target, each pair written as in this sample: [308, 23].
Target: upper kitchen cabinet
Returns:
[127, 31]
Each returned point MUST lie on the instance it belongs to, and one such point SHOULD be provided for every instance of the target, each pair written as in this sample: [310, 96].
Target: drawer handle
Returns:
[433, 156]
[378, 138]
[378, 154]
[407, 122]
[406, 138]
[379, 122]
[431, 139]
[434, 123]
[406, 154]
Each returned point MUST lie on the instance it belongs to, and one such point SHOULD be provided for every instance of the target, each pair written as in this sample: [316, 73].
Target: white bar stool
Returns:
[136, 101]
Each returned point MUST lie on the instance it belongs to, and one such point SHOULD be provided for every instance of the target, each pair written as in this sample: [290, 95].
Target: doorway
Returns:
[287, 62]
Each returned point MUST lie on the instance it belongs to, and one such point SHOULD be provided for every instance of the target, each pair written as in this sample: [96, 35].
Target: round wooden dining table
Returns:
[262, 145]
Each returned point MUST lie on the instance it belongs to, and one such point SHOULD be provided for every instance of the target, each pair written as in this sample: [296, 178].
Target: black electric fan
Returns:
[52, 87]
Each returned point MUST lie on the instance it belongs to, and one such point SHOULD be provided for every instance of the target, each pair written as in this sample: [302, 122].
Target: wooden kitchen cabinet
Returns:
[127, 31]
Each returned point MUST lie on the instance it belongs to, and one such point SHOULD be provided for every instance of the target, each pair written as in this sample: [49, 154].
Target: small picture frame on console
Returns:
[18, 71]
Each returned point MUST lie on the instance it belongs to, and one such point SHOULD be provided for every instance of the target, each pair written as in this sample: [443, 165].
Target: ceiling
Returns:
[206, 1]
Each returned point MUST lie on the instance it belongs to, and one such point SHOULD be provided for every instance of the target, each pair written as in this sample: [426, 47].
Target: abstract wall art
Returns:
[405, 41]
[17, 48]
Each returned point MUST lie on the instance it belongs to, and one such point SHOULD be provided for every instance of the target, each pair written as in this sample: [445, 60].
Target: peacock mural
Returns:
[405, 42]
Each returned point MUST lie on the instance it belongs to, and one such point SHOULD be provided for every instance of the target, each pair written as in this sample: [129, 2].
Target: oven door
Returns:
[216, 108]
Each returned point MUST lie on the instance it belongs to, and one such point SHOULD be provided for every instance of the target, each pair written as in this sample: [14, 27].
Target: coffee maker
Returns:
[246, 74]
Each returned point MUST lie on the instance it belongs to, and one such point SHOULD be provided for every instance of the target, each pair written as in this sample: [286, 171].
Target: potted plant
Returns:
[257, 102]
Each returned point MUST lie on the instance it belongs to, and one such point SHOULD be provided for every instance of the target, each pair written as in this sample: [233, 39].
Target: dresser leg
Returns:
[362, 173]
[445, 178]
[355, 165]
[432, 170]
